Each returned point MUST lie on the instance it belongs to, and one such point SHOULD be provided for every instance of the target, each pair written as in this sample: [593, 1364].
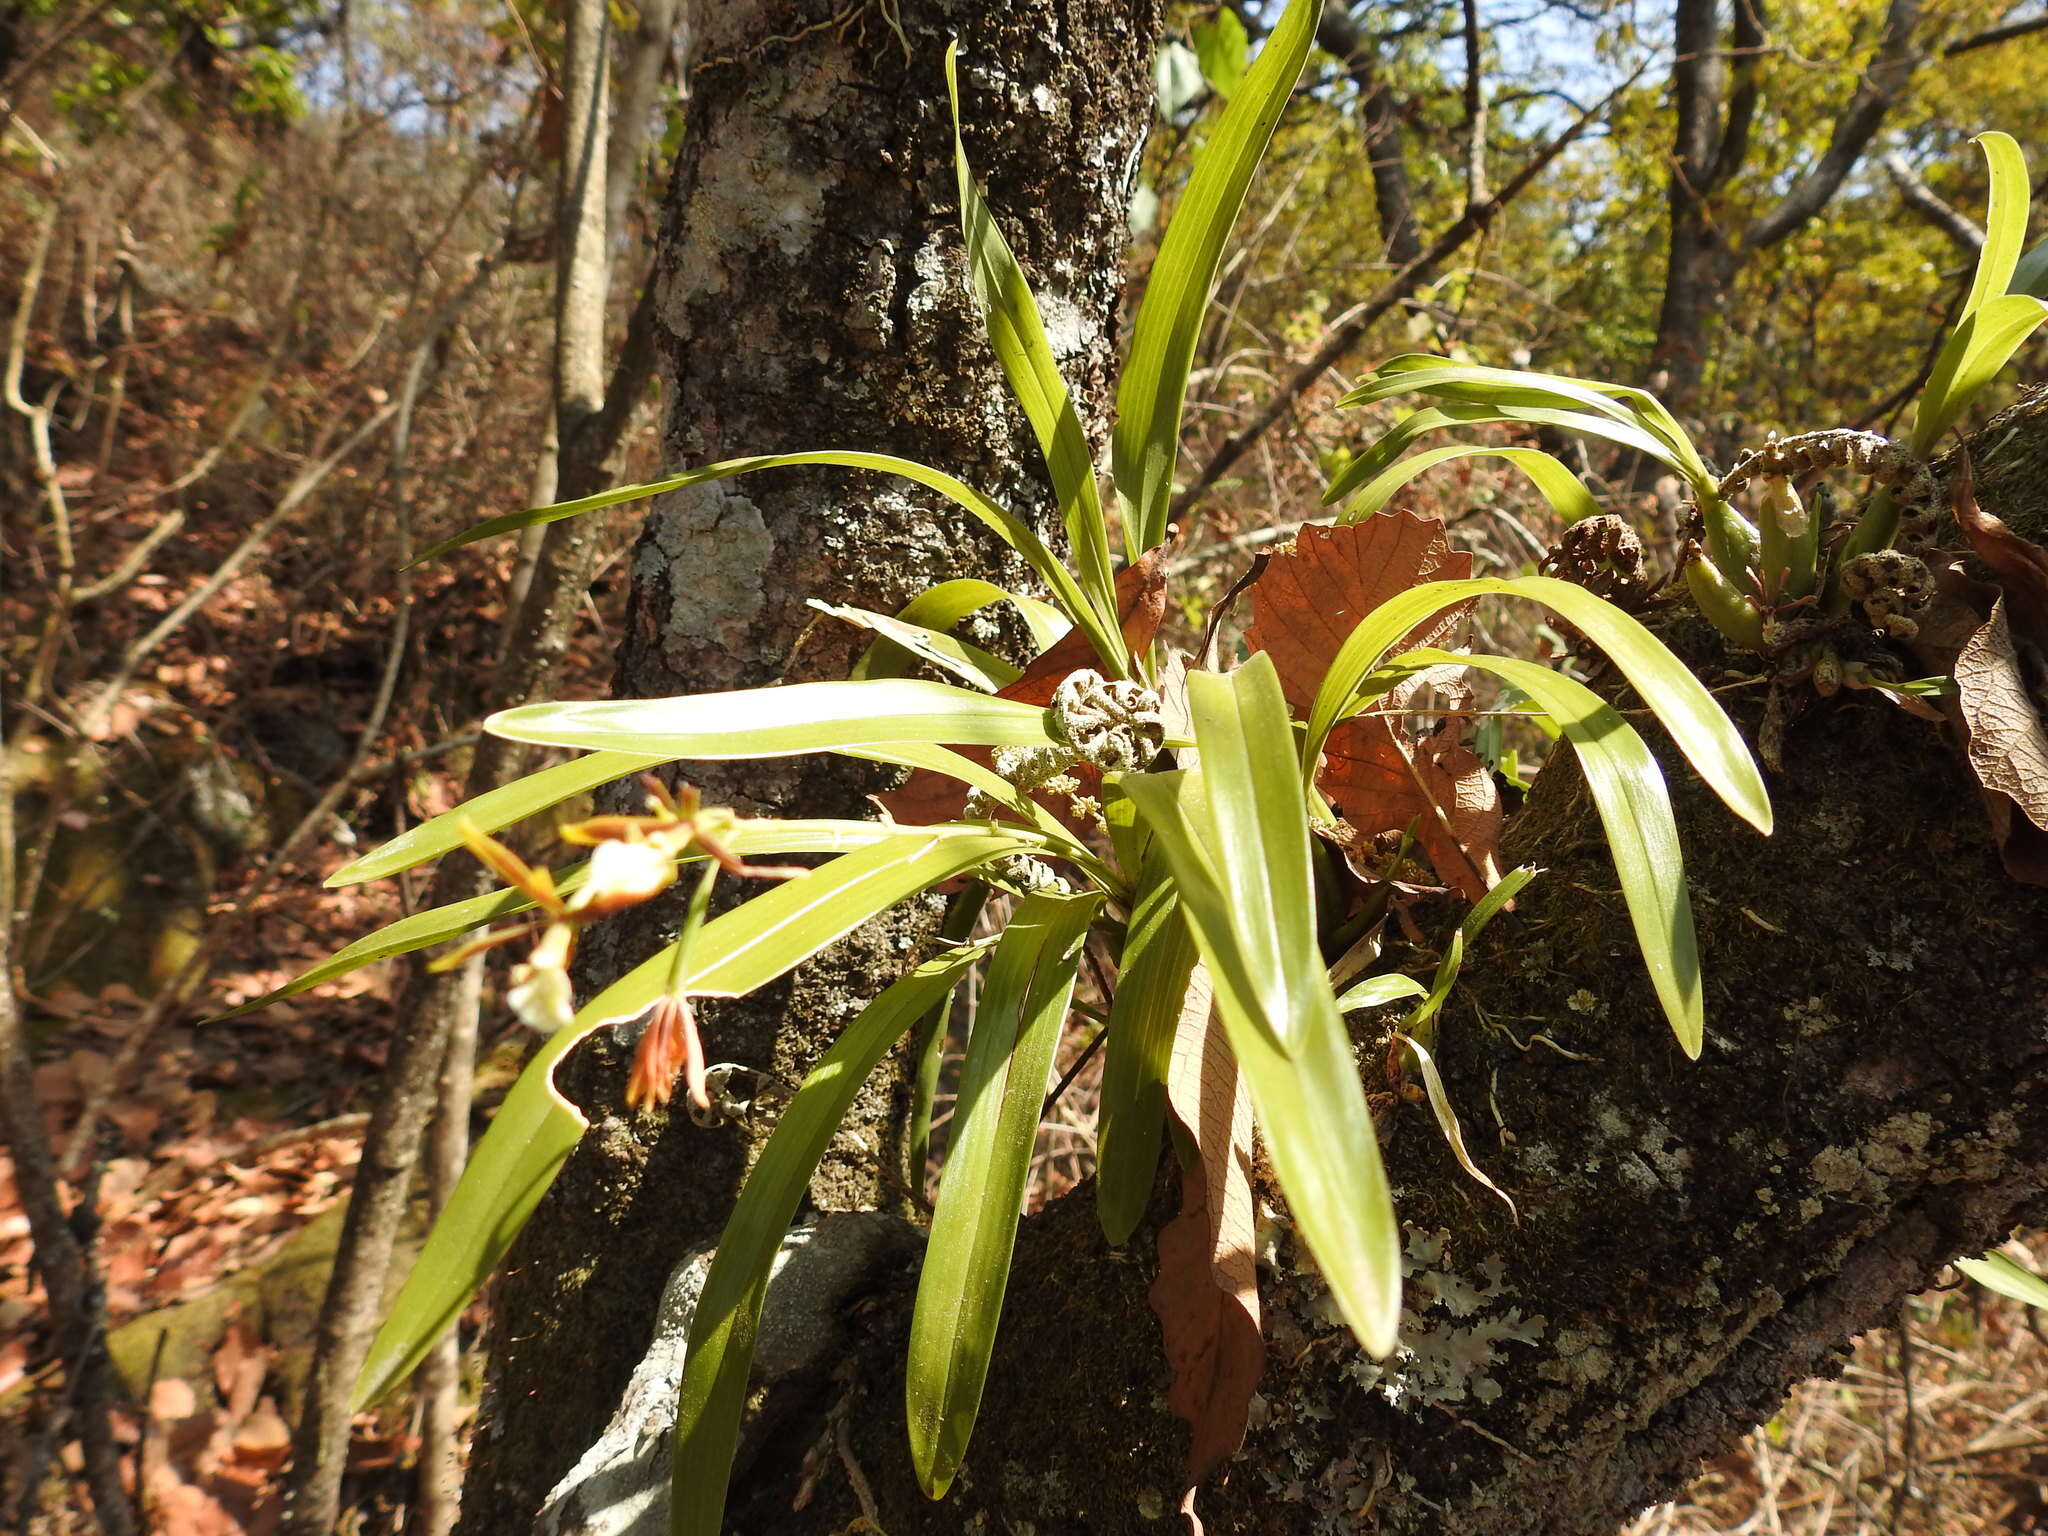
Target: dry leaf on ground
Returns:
[1207, 1295]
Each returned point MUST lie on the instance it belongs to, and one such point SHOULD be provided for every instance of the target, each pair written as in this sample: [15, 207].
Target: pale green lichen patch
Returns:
[1453, 1330]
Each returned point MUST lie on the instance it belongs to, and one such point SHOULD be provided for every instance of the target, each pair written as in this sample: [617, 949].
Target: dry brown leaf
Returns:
[2021, 565]
[1206, 1295]
[1376, 777]
[927, 798]
[1309, 600]
[239, 1366]
[1377, 781]
[2001, 686]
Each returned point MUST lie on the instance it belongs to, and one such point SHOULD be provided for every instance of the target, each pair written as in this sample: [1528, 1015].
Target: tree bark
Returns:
[811, 294]
[1693, 1237]
[1715, 95]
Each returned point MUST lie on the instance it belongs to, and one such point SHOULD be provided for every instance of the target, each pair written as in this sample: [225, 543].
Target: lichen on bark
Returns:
[812, 295]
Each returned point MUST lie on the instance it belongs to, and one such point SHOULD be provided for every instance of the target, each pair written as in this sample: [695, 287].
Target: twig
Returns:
[1074, 1070]
[1908, 1436]
[1412, 275]
[62, 1239]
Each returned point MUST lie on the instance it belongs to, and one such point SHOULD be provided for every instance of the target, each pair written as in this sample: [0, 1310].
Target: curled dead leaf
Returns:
[2002, 696]
[1307, 601]
[1206, 1295]
[2020, 564]
[1379, 780]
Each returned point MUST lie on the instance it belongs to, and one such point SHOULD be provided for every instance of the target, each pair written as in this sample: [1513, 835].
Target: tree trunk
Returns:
[1693, 1237]
[1715, 96]
[812, 295]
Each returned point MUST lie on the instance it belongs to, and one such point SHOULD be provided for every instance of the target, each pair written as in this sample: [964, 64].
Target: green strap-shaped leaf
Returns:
[536, 1128]
[1015, 531]
[2005, 219]
[1975, 353]
[1151, 988]
[942, 606]
[1476, 385]
[928, 1037]
[1635, 812]
[721, 1349]
[1702, 730]
[981, 1190]
[1458, 413]
[1378, 991]
[523, 797]
[1565, 491]
[969, 662]
[1421, 1023]
[1155, 382]
[1648, 412]
[1996, 1272]
[782, 722]
[440, 925]
[1307, 1094]
[1017, 334]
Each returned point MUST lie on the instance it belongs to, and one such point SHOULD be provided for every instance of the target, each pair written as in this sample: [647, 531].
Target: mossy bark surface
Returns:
[812, 295]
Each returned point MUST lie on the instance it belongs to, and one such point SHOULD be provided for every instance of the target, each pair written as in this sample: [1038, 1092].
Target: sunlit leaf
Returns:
[1447, 1118]
[1017, 334]
[523, 797]
[1149, 399]
[944, 605]
[782, 722]
[1628, 790]
[1998, 1273]
[1151, 986]
[1483, 912]
[1975, 353]
[1565, 491]
[2005, 219]
[721, 1348]
[1236, 837]
[1644, 408]
[968, 662]
[1680, 701]
[536, 1128]
[1017, 533]
[981, 1189]
[1378, 991]
[1455, 413]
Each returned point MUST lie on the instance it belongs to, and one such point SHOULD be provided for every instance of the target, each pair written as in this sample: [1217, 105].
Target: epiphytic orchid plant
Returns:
[1227, 836]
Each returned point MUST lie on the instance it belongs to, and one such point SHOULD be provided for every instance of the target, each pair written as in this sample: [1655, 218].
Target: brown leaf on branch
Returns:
[1378, 779]
[1207, 1296]
[1376, 776]
[2002, 696]
[928, 797]
[2020, 564]
[1140, 605]
[1309, 600]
